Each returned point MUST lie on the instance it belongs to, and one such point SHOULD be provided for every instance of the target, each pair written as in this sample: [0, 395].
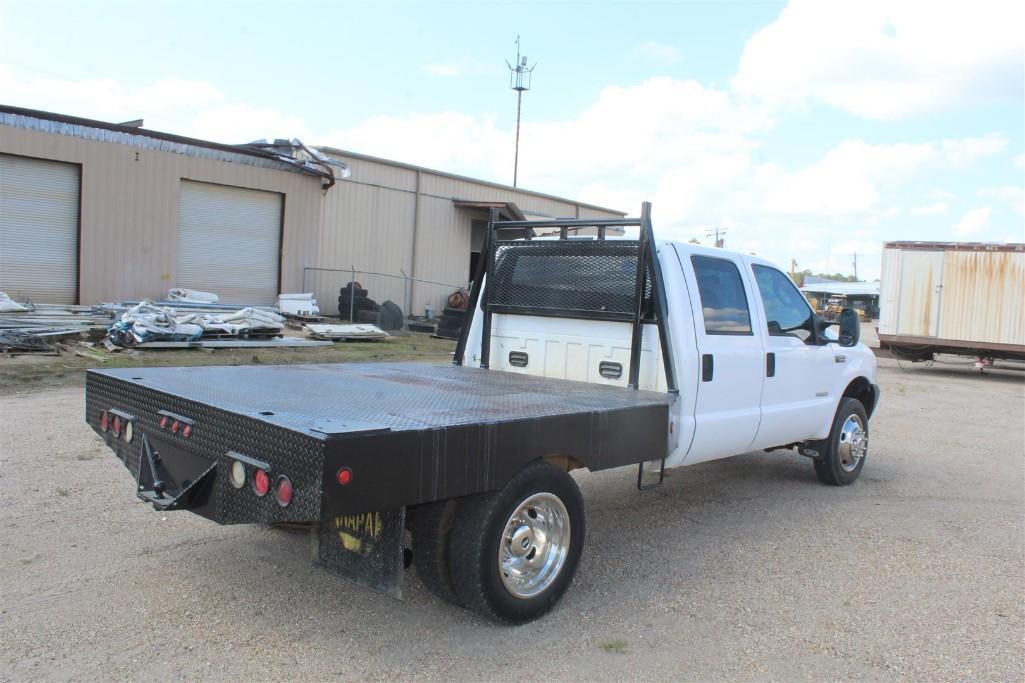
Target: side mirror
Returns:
[850, 327]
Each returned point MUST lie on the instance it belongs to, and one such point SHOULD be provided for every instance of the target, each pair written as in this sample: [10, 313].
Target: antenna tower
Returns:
[519, 80]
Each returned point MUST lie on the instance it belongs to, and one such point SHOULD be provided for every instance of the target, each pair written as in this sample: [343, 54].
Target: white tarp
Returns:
[298, 304]
[192, 296]
[146, 322]
[8, 304]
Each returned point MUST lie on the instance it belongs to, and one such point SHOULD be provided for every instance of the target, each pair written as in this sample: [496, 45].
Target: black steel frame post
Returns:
[658, 295]
[637, 333]
[475, 290]
[485, 335]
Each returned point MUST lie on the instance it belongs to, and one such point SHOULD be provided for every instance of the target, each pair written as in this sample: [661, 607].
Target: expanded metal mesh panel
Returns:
[597, 277]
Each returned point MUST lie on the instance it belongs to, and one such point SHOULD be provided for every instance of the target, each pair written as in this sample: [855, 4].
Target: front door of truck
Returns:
[798, 373]
[730, 365]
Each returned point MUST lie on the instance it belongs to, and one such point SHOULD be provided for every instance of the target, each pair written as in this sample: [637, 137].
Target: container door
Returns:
[921, 287]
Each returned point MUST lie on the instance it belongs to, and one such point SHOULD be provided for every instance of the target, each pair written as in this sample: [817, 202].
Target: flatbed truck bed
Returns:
[409, 432]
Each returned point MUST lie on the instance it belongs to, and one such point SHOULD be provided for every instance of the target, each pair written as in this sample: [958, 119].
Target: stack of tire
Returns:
[353, 298]
[451, 323]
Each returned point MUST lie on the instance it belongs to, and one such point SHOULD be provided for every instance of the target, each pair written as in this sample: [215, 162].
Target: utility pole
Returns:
[720, 236]
[855, 266]
[519, 80]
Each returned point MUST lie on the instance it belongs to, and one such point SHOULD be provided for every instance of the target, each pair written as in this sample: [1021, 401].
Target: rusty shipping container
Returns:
[953, 297]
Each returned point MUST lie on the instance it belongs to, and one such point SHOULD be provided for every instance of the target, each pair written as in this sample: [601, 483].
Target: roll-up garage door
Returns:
[39, 229]
[229, 242]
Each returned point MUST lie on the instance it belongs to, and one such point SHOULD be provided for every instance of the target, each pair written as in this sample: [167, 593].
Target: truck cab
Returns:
[753, 366]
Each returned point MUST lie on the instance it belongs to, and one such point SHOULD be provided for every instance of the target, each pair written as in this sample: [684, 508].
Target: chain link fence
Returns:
[354, 294]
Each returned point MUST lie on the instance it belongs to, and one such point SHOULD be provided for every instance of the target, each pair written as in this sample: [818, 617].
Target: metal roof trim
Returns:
[102, 131]
[956, 246]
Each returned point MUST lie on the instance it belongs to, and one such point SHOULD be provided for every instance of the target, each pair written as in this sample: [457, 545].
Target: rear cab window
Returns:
[724, 305]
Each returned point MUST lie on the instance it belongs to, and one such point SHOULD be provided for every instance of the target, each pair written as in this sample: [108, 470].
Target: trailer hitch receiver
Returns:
[173, 479]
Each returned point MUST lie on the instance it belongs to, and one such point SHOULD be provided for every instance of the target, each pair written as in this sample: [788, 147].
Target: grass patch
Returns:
[29, 373]
[62, 492]
[616, 646]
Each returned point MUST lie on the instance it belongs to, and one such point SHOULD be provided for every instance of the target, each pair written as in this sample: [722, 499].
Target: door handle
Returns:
[707, 367]
[770, 364]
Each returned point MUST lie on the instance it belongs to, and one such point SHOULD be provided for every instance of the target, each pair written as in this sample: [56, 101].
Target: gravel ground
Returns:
[738, 569]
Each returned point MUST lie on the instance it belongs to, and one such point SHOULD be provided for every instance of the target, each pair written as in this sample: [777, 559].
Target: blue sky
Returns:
[809, 130]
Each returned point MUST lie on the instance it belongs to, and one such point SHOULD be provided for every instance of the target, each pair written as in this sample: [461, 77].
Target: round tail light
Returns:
[283, 491]
[116, 426]
[129, 431]
[344, 476]
[261, 483]
[238, 474]
[164, 421]
[175, 426]
[187, 431]
[104, 420]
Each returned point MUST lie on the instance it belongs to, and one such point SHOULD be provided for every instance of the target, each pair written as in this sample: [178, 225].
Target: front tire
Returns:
[513, 553]
[847, 446]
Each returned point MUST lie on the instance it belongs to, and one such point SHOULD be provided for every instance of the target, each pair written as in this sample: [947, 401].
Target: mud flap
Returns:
[365, 548]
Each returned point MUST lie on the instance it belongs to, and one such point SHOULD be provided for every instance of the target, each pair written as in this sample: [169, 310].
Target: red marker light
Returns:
[104, 420]
[283, 491]
[164, 419]
[116, 426]
[344, 476]
[187, 431]
[175, 426]
[261, 483]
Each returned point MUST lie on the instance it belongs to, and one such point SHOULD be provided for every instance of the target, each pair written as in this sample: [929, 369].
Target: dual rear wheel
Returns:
[508, 555]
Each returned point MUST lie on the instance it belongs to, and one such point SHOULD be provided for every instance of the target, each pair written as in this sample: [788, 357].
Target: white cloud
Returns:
[1014, 196]
[973, 222]
[930, 210]
[887, 60]
[106, 99]
[658, 51]
[969, 150]
[846, 180]
[238, 123]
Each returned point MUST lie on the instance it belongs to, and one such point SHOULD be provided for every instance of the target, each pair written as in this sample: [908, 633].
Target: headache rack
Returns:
[571, 277]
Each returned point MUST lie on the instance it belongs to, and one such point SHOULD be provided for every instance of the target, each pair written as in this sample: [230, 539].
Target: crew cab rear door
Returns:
[729, 375]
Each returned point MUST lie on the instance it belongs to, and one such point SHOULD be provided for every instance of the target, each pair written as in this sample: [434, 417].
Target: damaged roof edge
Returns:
[468, 179]
[32, 119]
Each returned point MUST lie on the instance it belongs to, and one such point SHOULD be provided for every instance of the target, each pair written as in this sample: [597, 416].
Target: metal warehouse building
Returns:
[92, 211]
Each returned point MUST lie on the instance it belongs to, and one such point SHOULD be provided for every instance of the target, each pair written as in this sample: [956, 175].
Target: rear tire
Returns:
[513, 553]
[431, 526]
[847, 446]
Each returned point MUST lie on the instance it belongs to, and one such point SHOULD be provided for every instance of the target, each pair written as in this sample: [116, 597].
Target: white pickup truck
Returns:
[577, 353]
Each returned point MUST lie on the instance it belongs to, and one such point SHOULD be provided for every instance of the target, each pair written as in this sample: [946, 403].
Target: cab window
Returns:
[723, 301]
[787, 312]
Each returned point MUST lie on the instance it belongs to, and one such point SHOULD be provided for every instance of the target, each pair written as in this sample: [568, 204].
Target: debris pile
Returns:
[41, 328]
[147, 323]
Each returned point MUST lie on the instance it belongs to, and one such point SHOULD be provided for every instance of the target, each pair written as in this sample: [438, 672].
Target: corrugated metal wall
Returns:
[957, 294]
[983, 297]
[368, 222]
[129, 210]
[375, 220]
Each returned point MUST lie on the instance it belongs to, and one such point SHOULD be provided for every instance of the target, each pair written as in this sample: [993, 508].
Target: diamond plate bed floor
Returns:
[359, 397]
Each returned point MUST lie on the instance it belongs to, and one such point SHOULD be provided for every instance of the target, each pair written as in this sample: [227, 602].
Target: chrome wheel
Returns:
[534, 545]
[853, 444]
